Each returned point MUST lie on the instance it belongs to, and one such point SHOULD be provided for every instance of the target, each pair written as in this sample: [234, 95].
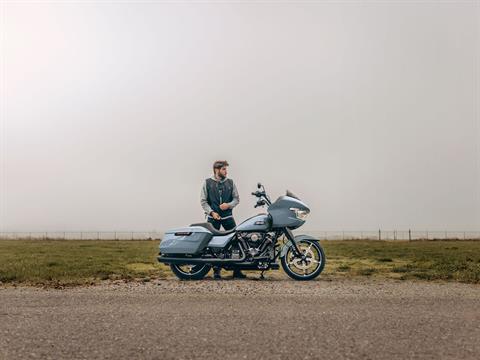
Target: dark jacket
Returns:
[215, 192]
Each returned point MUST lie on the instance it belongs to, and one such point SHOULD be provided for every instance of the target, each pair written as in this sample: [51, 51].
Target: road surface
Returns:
[243, 319]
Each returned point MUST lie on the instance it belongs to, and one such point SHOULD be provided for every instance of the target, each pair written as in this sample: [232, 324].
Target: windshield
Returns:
[292, 195]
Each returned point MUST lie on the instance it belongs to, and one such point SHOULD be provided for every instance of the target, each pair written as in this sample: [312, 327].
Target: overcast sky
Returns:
[113, 113]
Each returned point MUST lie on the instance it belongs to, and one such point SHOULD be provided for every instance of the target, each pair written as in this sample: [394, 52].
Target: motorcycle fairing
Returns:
[282, 214]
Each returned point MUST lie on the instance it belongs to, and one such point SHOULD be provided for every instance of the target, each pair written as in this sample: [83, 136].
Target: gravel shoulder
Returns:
[275, 318]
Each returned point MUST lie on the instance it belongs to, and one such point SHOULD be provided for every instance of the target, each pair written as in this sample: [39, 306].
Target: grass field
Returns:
[76, 262]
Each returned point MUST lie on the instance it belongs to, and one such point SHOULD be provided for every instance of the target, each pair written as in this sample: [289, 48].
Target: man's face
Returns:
[222, 172]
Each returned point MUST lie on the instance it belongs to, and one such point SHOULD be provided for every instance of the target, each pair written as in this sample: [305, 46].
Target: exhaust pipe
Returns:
[213, 262]
[196, 261]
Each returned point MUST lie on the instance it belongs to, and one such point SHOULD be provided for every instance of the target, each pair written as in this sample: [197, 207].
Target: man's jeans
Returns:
[228, 224]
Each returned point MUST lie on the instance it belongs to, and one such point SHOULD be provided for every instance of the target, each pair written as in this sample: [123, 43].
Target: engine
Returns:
[257, 243]
[253, 239]
[253, 245]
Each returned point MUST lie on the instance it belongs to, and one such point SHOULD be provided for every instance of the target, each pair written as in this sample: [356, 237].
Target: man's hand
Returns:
[216, 216]
[224, 206]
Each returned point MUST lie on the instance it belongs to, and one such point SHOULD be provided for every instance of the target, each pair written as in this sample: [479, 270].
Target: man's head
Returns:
[220, 168]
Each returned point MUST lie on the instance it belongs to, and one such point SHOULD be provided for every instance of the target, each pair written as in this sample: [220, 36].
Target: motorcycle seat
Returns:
[214, 231]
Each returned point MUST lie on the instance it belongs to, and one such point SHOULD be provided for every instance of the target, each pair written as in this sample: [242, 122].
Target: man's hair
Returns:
[219, 164]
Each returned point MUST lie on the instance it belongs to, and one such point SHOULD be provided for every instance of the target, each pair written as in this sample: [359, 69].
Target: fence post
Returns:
[343, 235]
[132, 236]
[379, 235]
[409, 235]
[394, 234]
[115, 236]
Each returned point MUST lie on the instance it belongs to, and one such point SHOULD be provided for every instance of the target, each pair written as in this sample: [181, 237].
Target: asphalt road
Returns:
[243, 319]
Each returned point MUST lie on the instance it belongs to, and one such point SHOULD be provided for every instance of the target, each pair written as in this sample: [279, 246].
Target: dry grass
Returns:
[428, 260]
[77, 262]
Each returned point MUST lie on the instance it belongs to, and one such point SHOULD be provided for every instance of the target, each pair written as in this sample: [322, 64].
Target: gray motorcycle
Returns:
[256, 244]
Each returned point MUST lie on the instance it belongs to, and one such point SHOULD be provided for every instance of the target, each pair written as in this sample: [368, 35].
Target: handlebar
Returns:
[263, 198]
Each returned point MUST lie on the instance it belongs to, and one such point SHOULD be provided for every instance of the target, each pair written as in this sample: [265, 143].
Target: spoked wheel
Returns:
[190, 272]
[306, 266]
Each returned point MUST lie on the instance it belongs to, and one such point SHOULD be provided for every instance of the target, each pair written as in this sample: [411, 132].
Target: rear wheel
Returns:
[306, 266]
[189, 271]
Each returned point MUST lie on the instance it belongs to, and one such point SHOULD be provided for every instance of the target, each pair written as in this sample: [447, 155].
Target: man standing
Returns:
[218, 197]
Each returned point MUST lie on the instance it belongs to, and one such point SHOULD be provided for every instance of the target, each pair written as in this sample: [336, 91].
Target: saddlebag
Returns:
[190, 240]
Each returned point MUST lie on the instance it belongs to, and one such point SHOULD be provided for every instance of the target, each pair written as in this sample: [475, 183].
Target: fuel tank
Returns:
[260, 222]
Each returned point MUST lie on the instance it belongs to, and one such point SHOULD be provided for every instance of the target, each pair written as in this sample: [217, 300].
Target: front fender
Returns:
[296, 238]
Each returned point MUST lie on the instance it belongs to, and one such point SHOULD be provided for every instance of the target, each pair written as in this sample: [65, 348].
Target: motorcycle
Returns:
[255, 244]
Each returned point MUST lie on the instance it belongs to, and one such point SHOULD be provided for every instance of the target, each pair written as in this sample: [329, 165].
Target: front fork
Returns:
[289, 235]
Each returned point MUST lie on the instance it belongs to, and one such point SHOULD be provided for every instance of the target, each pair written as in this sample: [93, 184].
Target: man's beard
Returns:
[221, 176]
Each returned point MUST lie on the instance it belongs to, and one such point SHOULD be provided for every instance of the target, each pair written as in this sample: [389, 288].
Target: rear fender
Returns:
[297, 239]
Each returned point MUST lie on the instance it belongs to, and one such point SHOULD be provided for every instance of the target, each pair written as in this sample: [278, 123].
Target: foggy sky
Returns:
[113, 113]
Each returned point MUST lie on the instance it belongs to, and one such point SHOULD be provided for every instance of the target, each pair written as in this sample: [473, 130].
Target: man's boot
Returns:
[216, 273]
[237, 274]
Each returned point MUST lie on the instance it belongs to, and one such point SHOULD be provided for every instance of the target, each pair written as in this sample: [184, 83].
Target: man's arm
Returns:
[203, 199]
[236, 198]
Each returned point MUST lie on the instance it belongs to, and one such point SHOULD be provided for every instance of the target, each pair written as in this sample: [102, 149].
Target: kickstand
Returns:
[261, 275]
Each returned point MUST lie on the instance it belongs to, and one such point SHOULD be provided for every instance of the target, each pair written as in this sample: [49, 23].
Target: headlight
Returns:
[300, 214]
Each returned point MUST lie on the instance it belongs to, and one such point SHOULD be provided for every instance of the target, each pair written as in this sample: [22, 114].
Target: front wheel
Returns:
[190, 272]
[306, 266]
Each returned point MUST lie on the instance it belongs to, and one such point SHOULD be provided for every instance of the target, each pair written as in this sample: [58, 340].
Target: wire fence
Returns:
[410, 235]
[81, 235]
[393, 235]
